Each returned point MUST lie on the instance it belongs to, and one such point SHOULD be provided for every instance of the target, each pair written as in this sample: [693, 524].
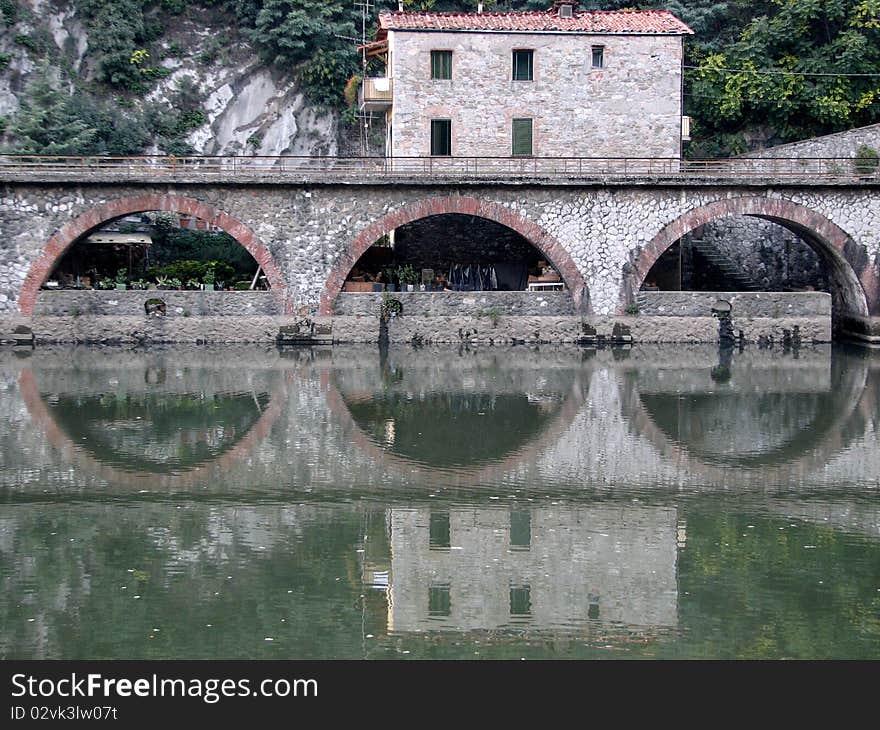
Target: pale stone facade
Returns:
[629, 108]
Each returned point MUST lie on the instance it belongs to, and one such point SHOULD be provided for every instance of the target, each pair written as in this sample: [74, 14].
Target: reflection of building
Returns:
[546, 568]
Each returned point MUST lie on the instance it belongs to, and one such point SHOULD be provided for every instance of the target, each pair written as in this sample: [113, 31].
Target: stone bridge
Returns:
[307, 230]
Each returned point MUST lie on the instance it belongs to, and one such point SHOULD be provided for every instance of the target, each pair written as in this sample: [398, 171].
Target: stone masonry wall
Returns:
[841, 144]
[313, 234]
[774, 257]
[629, 108]
[443, 240]
[177, 303]
[474, 304]
[744, 304]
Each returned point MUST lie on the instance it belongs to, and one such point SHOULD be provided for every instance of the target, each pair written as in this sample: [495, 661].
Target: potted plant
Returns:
[140, 284]
[106, 283]
[208, 280]
[175, 283]
[121, 277]
[391, 279]
[193, 284]
[408, 277]
[163, 282]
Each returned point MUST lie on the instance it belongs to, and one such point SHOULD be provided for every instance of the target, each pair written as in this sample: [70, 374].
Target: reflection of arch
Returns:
[91, 219]
[856, 289]
[850, 394]
[456, 476]
[74, 453]
[534, 234]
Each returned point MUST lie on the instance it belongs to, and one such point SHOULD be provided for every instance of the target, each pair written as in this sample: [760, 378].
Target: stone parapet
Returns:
[487, 304]
[95, 303]
[744, 304]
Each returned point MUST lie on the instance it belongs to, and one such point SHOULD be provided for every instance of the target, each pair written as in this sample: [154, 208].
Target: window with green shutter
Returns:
[441, 64]
[523, 66]
[522, 137]
[441, 137]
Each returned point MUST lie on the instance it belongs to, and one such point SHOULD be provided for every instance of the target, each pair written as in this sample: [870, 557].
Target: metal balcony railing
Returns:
[763, 171]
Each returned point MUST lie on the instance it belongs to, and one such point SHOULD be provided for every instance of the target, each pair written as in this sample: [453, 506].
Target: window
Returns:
[439, 600]
[598, 56]
[520, 600]
[438, 531]
[441, 137]
[441, 64]
[520, 529]
[522, 138]
[523, 66]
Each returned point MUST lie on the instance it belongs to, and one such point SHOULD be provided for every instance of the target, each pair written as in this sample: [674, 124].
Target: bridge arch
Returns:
[456, 204]
[65, 236]
[855, 285]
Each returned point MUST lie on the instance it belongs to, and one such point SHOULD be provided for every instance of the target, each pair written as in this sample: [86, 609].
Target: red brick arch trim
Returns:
[88, 221]
[853, 270]
[533, 233]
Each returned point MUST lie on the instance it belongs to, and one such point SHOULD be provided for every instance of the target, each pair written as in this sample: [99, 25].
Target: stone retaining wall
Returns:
[177, 303]
[745, 304]
[504, 329]
[475, 304]
[840, 144]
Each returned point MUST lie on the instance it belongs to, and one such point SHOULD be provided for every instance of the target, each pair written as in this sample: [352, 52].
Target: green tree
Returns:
[288, 32]
[48, 121]
[800, 69]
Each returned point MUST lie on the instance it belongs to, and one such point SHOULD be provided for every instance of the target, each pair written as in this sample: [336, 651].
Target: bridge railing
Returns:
[820, 169]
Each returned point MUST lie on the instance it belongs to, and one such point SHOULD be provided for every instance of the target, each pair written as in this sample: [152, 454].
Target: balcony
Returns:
[376, 94]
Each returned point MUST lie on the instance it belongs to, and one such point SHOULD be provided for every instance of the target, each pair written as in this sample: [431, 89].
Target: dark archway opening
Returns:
[740, 254]
[157, 250]
[453, 252]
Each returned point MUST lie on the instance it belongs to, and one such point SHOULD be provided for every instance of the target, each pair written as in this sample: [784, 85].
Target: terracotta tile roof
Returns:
[660, 22]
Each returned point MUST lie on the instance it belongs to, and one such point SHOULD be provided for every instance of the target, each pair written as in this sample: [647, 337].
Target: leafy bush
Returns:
[866, 160]
[9, 10]
[27, 41]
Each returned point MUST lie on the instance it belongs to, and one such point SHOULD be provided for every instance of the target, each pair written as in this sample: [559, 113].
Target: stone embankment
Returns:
[435, 317]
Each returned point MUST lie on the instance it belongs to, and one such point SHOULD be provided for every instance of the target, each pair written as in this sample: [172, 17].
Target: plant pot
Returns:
[410, 287]
[121, 287]
[209, 287]
[378, 287]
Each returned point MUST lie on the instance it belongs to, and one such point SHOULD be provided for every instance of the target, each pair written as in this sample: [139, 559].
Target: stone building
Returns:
[558, 83]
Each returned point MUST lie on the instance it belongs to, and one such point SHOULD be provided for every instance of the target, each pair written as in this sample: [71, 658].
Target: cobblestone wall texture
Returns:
[641, 74]
[601, 240]
[475, 304]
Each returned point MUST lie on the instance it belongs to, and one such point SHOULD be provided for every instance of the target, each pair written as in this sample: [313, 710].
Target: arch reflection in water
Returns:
[158, 432]
[764, 413]
[534, 569]
[461, 415]
[147, 416]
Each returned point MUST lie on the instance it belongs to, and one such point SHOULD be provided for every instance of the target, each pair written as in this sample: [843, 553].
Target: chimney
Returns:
[480, 7]
[399, 6]
[564, 8]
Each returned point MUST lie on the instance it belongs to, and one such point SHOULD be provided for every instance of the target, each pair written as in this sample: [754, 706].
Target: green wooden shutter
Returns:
[522, 137]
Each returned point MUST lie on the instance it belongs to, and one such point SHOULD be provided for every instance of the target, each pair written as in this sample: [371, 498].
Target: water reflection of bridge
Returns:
[423, 419]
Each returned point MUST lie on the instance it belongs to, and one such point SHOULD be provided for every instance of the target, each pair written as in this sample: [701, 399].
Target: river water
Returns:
[246, 502]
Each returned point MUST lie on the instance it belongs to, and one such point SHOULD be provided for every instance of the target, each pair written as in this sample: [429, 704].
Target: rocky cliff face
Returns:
[249, 108]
